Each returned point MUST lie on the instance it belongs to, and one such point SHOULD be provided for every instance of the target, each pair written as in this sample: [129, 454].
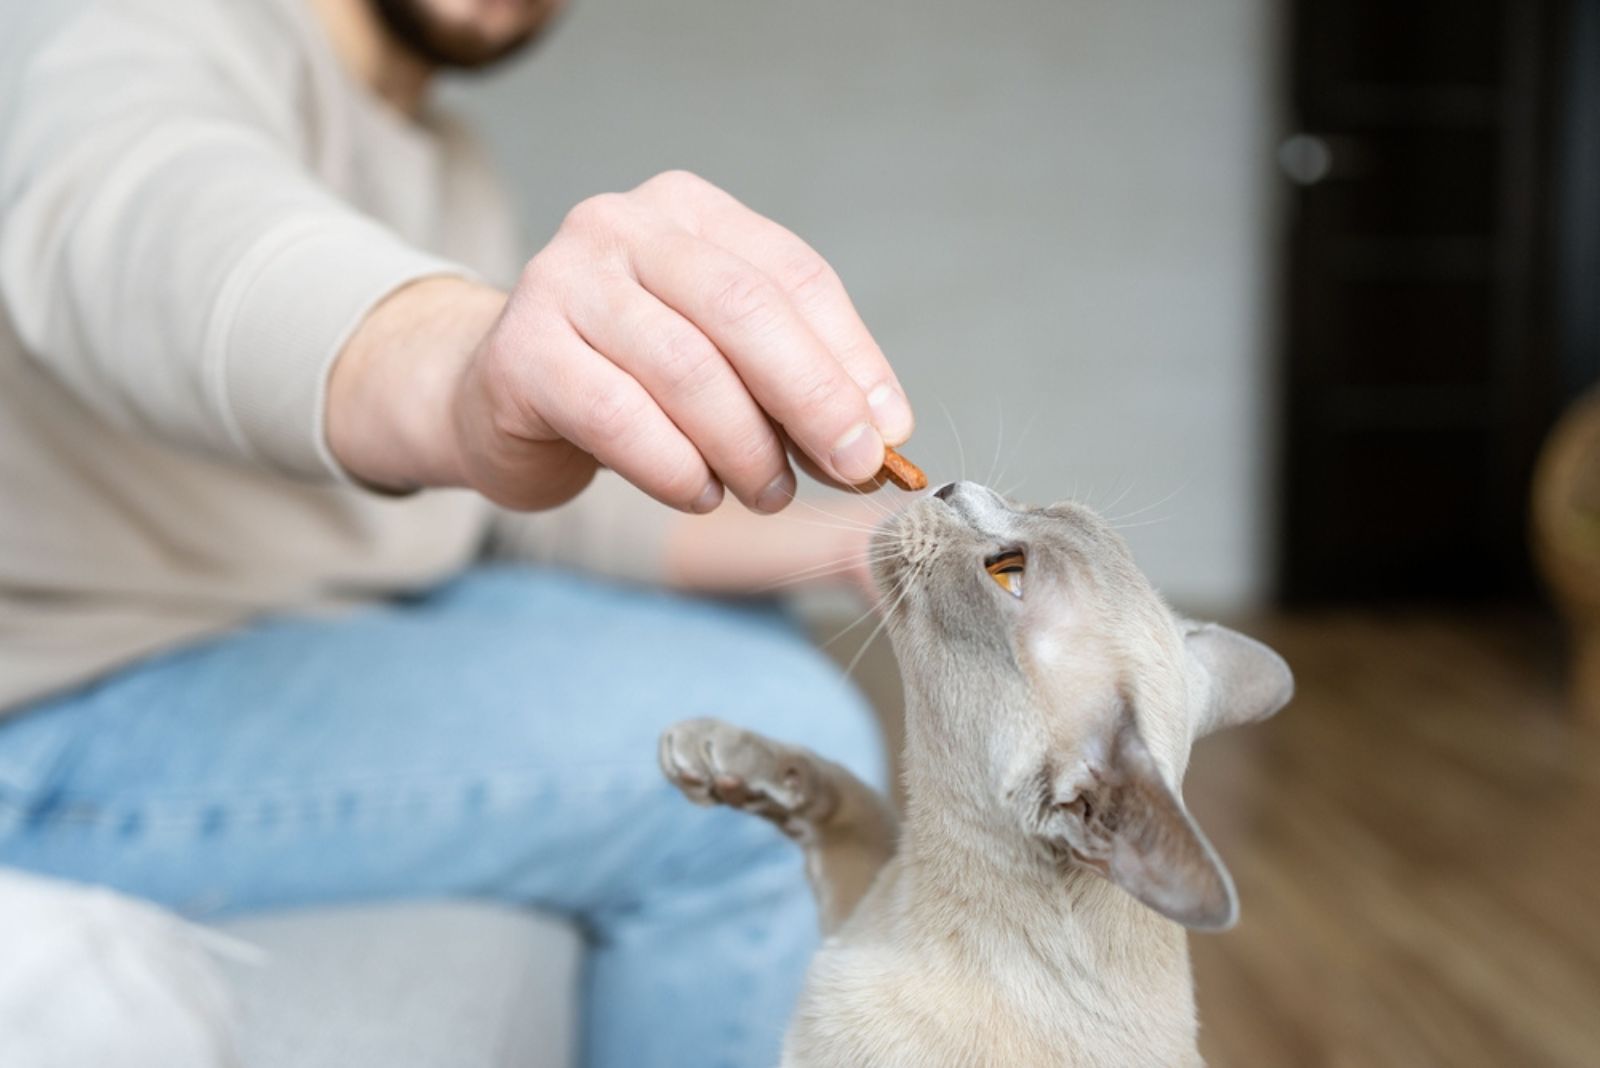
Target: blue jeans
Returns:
[494, 738]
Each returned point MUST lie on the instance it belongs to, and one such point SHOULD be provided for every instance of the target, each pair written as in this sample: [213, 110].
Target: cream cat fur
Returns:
[1029, 911]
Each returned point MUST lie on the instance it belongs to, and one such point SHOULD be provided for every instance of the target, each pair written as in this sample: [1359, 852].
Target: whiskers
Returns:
[1120, 522]
[999, 438]
[831, 518]
[1008, 448]
[1005, 452]
[961, 450]
[1022, 440]
[881, 606]
[898, 593]
[884, 607]
[826, 568]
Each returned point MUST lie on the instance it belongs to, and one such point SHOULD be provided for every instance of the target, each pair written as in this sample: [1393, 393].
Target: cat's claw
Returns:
[713, 762]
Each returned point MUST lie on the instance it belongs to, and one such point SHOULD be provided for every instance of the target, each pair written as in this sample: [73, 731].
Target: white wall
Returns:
[1049, 211]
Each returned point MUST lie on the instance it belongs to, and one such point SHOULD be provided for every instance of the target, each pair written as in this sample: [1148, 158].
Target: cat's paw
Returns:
[716, 763]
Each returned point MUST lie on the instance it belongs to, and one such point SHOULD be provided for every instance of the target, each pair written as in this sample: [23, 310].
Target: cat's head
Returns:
[1062, 693]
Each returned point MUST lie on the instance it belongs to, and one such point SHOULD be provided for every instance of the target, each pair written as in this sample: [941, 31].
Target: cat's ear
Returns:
[1124, 822]
[1245, 680]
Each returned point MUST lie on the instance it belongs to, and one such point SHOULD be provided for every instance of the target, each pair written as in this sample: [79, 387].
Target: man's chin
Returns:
[445, 44]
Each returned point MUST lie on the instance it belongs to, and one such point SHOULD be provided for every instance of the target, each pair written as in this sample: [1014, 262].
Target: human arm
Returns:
[170, 257]
[167, 254]
[613, 529]
[668, 333]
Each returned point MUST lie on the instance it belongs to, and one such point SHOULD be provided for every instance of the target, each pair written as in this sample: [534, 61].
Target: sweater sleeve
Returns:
[166, 253]
[611, 529]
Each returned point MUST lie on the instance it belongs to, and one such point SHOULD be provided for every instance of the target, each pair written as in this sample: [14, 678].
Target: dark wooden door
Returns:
[1418, 370]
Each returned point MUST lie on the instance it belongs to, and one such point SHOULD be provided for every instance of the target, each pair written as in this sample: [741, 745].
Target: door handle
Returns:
[1306, 158]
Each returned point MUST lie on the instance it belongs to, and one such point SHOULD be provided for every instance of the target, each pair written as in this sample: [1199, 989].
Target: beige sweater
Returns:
[197, 205]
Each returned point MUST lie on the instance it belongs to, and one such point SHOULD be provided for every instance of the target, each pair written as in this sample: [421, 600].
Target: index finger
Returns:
[819, 295]
[791, 373]
[806, 277]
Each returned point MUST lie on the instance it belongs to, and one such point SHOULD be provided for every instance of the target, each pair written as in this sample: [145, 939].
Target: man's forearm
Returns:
[734, 551]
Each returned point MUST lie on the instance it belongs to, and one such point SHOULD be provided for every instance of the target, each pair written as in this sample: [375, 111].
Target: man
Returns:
[272, 381]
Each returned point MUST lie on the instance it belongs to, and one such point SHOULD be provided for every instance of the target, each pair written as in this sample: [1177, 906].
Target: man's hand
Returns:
[668, 333]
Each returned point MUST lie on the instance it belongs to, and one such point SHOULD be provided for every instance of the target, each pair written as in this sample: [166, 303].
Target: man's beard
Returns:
[445, 45]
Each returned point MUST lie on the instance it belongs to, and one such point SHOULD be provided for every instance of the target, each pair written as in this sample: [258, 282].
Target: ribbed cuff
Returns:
[284, 317]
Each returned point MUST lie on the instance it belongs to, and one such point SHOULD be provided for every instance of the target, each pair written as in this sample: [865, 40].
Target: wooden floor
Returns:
[1416, 842]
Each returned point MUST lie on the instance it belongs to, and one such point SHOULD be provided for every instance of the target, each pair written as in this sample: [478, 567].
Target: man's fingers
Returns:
[603, 410]
[817, 474]
[819, 295]
[692, 381]
[810, 282]
[790, 372]
[693, 336]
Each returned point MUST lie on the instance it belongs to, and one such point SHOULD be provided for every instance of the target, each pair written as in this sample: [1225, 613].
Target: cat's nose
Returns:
[944, 491]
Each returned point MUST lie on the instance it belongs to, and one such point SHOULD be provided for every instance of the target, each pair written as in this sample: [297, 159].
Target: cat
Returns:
[1030, 909]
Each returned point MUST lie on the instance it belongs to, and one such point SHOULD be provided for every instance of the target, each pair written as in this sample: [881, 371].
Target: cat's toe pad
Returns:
[713, 762]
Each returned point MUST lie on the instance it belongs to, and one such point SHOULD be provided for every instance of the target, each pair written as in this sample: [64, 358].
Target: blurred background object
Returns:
[1566, 529]
[1429, 289]
[1295, 290]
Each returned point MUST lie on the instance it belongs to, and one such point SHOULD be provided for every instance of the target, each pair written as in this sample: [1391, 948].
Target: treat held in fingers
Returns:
[902, 472]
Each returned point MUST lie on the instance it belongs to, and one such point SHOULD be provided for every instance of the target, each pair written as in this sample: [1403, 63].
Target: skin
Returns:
[668, 333]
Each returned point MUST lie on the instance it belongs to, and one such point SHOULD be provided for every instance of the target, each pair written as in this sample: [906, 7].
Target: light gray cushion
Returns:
[414, 985]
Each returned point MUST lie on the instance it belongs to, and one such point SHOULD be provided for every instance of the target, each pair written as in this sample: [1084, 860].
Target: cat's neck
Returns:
[972, 876]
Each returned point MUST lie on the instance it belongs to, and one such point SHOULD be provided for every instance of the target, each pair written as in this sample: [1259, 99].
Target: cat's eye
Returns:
[1006, 569]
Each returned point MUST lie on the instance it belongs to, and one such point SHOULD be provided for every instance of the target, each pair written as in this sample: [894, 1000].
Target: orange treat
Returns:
[902, 472]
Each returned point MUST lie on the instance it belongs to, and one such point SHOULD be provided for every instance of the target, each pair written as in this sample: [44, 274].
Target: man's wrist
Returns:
[391, 393]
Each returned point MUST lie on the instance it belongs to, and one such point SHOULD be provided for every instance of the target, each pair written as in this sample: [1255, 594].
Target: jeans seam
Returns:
[403, 796]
